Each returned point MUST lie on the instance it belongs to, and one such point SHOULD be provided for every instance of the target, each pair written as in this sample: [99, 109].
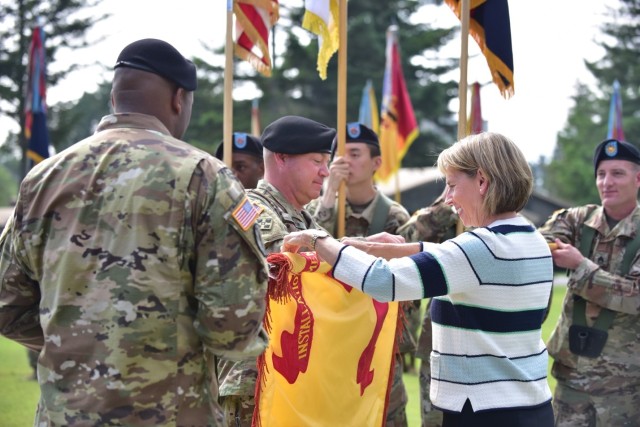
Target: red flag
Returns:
[475, 123]
[35, 128]
[398, 126]
[490, 27]
[254, 19]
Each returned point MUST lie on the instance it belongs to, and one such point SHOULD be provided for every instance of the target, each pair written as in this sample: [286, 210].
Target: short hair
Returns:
[501, 161]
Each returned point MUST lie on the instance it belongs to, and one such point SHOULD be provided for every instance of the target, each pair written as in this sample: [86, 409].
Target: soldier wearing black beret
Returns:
[246, 159]
[297, 135]
[159, 57]
[594, 345]
[612, 149]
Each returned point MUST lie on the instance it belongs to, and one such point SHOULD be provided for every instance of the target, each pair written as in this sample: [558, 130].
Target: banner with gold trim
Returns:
[330, 356]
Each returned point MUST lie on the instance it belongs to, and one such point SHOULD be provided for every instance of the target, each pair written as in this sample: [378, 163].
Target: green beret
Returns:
[612, 149]
[159, 57]
[297, 135]
[242, 143]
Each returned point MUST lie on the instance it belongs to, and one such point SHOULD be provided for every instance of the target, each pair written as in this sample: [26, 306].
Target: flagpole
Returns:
[227, 127]
[342, 107]
[462, 85]
[464, 56]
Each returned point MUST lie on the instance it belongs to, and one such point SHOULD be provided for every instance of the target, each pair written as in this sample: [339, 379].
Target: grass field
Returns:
[20, 397]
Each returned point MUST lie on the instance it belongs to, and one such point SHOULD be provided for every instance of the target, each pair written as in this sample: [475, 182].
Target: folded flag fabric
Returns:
[254, 20]
[330, 357]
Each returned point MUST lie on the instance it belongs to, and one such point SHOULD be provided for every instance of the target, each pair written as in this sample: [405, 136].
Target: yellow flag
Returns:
[330, 355]
[321, 18]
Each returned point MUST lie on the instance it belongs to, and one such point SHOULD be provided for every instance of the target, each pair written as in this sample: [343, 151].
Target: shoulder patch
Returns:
[246, 213]
[265, 223]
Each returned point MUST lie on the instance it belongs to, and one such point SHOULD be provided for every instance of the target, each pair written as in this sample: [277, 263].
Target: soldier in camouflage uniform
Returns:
[127, 265]
[600, 386]
[296, 154]
[367, 212]
[435, 223]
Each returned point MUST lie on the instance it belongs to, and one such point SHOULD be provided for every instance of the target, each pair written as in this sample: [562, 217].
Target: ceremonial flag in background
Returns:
[475, 124]
[330, 356]
[369, 108]
[615, 115]
[255, 118]
[321, 18]
[490, 27]
[35, 126]
[254, 19]
[398, 127]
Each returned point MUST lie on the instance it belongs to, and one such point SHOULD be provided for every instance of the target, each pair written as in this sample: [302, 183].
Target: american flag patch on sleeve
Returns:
[246, 213]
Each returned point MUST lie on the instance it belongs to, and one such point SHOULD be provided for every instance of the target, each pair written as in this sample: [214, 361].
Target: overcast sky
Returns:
[551, 39]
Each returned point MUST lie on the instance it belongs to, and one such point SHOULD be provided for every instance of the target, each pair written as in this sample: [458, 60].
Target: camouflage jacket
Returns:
[277, 219]
[599, 281]
[126, 265]
[435, 223]
[358, 224]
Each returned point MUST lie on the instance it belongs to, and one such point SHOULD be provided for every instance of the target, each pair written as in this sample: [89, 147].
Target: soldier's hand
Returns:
[338, 172]
[566, 255]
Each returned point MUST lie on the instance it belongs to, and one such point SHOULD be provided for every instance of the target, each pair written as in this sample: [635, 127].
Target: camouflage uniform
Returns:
[358, 225]
[278, 218]
[124, 267]
[435, 223]
[601, 391]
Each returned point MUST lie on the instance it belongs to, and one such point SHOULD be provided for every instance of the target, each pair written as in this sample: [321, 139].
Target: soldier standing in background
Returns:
[246, 158]
[435, 223]
[596, 343]
[367, 212]
[296, 155]
[132, 260]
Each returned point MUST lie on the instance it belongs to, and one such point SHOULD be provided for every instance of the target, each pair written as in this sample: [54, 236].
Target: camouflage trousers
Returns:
[430, 416]
[576, 408]
[238, 410]
[396, 411]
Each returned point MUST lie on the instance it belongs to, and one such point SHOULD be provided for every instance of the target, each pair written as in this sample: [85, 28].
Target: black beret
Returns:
[612, 149]
[243, 143]
[357, 132]
[159, 57]
[297, 135]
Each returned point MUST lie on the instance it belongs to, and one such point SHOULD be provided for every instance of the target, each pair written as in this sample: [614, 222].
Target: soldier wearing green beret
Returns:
[596, 344]
[132, 259]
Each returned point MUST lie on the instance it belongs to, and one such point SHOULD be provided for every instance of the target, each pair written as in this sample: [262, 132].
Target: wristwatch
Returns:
[317, 234]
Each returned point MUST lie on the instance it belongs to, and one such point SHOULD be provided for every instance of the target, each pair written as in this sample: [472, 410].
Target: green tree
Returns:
[64, 28]
[570, 173]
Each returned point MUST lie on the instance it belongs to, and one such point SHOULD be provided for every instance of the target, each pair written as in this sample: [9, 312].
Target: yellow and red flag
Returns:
[331, 347]
[254, 19]
[475, 124]
[321, 18]
[490, 27]
[398, 125]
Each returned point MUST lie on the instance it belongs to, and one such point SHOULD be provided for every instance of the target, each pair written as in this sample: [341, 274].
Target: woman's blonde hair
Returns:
[509, 176]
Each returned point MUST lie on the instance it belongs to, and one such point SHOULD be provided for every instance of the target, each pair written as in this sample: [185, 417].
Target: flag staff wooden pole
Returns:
[227, 127]
[342, 108]
[462, 85]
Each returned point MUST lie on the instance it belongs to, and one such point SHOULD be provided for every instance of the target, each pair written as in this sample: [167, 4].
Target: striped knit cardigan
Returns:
[490, 287]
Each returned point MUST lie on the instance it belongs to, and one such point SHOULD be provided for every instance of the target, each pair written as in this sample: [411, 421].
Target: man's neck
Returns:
[620, 213]
[361, 194]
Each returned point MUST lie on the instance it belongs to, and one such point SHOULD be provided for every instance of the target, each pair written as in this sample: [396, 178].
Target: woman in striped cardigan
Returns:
[489, 285]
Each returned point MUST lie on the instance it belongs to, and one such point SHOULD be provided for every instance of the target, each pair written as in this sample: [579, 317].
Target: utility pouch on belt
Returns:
[586, 341]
